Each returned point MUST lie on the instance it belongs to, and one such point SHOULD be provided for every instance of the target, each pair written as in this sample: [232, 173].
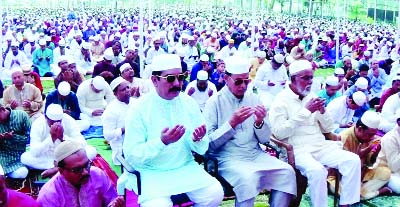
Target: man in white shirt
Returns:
[390, 112]
[154, 51]
[270, 79]
[298, 116]
[342, 110]
[47, 132]
[93, 96]
[201, 89]
[15, 59]
[114, 117]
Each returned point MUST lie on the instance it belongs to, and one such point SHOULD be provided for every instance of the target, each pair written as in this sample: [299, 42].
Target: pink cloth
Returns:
[97, 192]
[20, 199]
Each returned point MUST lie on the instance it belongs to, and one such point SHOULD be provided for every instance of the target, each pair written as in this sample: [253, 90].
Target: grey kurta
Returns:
[242, 162]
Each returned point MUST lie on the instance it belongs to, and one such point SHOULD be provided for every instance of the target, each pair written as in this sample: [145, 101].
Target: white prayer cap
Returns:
[54, 112]
[61, 42]
[99, 82]
[115, 83]
[389, 44]
[237, 65]
[166, 62]
[298, 66]
[96, 38]
[367, 53]
[190, 38]
[14, 44]
[136, 33]
[124, 67]
[261, 54]
[86, 45]
[361, 83]
[339, 71]
[214, 35]
[279, 58]
[64, 88]
[48, 38]
[42, 42]
[359, 98]
[255, 44]
[103, 32]
[108, 55]
[202, 75]
[63, 58]
[117, 34]
[332, 81]
[66, 148]
[371, 119]
[248, 39]
[289, 59]
[204, 58]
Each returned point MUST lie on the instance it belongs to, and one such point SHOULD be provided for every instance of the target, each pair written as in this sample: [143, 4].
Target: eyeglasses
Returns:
[78, 170]
[172, 78]
[239, 82]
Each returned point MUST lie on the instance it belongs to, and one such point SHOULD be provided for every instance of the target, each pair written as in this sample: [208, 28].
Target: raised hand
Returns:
[169, 136]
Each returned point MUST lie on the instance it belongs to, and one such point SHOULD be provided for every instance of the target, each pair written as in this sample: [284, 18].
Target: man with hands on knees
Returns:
[162, 130]
[237, 123]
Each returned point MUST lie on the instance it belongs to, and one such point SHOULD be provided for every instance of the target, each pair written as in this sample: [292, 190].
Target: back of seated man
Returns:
[237, 124]
[77, 183]
[47, 132]
[12, 198]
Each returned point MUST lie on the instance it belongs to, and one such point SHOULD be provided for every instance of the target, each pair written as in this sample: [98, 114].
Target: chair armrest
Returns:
[273, 148]
[289, 150]
[132, 170]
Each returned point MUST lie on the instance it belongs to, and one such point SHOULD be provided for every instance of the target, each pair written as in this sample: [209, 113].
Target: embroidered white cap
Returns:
[64, 88]
[66, 148]
[361, 83]
[54, 112]
[359, 98]
[166, 62]
[99, 82]
[332, 81]
[371, 119]
[124, 67]
[237, 65]
[298, 66]
[202, 75]
[115, 83]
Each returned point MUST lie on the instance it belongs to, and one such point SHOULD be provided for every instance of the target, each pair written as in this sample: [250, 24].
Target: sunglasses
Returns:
[78, 170]
[172, 78]
[239, 82]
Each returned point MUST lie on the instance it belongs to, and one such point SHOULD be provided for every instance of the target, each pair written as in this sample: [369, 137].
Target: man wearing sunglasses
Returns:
[237, 123]
[78, 183]
[162, 130]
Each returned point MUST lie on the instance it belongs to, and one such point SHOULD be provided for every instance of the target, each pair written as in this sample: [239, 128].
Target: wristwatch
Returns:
[259, 126]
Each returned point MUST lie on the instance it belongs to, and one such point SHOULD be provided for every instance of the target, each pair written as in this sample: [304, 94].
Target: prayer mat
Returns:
[93, 132]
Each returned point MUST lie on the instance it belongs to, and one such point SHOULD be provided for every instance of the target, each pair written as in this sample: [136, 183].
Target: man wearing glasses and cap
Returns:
[162, 130]
[237, 124]
[77, 183]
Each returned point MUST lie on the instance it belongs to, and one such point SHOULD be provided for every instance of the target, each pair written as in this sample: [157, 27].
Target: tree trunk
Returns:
[271, 6]
[290, 7]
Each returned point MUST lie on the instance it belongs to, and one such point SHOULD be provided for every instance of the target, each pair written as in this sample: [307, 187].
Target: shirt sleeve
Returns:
[390, 147]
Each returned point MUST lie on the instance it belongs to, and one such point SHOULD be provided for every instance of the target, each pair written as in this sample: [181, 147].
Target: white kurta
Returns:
[340, 113]
[267, 74]
[41, 153]
[201, 97]
[241, 161]
[165, 169]
[90, 101]
[113, 121]
[291, 121]
[390, 113]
